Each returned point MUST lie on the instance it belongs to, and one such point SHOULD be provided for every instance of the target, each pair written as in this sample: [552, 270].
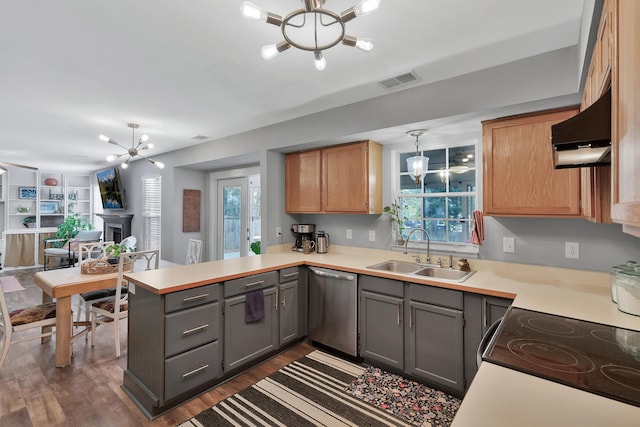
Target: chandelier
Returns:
[312, 28]
[417, 165]
[134, 150]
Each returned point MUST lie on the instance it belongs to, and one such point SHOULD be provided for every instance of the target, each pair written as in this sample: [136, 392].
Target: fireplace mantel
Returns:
[116, 226]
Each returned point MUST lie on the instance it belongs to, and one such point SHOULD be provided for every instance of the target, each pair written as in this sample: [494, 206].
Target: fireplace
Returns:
[116, 227]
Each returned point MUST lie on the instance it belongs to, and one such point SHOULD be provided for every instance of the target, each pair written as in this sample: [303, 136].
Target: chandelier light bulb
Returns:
[160, 165]
[251, 11]
[320, 62]
[111, 157]
[149, 146]
[144, 138]
[104, 138]
[365, 7]
[365, 45]
[269, 51]
[125, 164]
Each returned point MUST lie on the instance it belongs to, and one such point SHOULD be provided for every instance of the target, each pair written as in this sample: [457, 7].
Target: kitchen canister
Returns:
[614, 277]
[628, 290]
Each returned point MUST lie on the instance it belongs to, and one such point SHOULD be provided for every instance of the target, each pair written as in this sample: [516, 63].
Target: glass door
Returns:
[232, 230]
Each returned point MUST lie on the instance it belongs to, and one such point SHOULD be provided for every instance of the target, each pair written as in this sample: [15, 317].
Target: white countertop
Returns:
[498, 396]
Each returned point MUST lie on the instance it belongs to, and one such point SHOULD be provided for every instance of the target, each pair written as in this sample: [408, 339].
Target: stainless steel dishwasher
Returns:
[333, 309]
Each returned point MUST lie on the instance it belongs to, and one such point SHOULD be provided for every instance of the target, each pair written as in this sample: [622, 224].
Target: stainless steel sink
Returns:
[444, 273]
[405, 267]
[402, 267]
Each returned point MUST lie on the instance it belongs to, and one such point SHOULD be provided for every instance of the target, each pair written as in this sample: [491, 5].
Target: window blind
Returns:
[151, 212]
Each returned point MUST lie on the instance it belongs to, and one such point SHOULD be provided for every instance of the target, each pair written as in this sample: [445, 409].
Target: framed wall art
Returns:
[49, 207]
[27, 192]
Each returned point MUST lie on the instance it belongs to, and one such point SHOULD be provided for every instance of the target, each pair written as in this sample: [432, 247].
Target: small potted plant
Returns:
[113, 252]
[255, 247]
[397, 222]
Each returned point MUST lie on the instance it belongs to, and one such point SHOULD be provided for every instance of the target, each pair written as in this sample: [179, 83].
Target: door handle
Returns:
[333, 275]
[399, 304]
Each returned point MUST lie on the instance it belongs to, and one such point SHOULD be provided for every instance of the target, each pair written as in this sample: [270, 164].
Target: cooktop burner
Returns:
[590, 356]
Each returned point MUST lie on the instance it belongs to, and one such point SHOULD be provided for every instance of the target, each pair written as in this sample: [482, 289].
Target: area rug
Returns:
[318, 390]
[10, 284]
[414, 402]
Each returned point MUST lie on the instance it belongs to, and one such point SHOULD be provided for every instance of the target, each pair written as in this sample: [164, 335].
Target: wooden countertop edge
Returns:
[368, 272]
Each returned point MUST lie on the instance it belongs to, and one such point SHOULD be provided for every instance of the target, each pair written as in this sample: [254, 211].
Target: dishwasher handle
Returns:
[338, 276]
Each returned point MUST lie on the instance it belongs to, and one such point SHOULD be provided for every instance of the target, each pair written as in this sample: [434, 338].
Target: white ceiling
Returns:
[71, 70]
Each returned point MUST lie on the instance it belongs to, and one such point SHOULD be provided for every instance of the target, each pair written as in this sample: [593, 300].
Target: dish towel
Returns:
[477, 228]
[254, 306]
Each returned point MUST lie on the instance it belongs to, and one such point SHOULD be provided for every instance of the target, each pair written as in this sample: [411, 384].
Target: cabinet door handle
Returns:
[275, 301]
[484, 313]
[259, 282]
[291, 274]
[399, 304]
[284, 299]
[189, 299]
[195, 371]
[410, 316]
[196, 329]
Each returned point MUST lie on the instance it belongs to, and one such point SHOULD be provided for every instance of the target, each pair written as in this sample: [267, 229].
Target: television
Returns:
[111, 191]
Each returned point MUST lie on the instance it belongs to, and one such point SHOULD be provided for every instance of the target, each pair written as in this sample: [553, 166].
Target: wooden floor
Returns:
[33, 392]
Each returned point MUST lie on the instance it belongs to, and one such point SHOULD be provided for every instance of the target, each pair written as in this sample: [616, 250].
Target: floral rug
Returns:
[409, 400]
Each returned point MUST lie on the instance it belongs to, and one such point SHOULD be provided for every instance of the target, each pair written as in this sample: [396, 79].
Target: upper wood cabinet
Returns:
[303, 175]
[626, 115]
[518, 174]
[344, 178]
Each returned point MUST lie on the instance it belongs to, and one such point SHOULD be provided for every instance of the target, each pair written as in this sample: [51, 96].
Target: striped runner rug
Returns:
[307, 392]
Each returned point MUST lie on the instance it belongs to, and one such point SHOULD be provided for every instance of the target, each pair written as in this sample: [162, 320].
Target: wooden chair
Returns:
[88, 253]
[110, 312]
[39, 316]
[194, 251]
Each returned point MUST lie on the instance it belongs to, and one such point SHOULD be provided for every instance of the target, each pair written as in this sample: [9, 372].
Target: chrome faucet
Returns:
[406, 243]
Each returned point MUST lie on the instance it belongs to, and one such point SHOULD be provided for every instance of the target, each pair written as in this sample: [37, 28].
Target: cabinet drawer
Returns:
[382, 286]
[436, 296]
[191, 369]
[289, 274]
[191, 297]
[191, 328]
[251, 283]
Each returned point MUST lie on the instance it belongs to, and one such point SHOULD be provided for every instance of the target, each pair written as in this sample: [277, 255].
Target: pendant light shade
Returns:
[417, 165]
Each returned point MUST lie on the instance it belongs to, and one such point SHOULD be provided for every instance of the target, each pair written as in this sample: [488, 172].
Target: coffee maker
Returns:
[302, 232]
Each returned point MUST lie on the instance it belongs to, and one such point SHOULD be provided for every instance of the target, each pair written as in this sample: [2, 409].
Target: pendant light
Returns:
[417, 165]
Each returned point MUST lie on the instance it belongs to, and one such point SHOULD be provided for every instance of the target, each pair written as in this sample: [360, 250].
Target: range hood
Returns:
[584, 139]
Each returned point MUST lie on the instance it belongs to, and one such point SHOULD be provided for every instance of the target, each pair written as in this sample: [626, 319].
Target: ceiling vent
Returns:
[199, 137]
[399, 80]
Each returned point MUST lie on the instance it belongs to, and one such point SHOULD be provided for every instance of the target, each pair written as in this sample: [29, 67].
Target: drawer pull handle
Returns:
[291, 274]
[189, 299]
[196, 329]
[195, 371]
[259, 282]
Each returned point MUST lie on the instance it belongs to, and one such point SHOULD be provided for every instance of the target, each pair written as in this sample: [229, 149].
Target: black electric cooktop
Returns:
[597, 358]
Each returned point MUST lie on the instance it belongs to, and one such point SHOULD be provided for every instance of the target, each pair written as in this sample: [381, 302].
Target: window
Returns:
[444, 200]
[151, 187]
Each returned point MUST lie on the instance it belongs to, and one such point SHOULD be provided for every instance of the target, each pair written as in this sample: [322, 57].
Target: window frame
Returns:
[463, 248]
[149, 219]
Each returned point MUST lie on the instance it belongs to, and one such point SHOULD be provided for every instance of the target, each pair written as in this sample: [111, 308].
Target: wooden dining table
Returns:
[62, 284]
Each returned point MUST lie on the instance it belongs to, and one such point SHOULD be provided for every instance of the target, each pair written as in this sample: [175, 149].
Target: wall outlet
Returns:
[349, 234]
[572, 250]
[278, 231]
[509, 245]
[372, 235]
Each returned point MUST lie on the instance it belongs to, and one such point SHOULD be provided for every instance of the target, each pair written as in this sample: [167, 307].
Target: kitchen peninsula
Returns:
[570, 293]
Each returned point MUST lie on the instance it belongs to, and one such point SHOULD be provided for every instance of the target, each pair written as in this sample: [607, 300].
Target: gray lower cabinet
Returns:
[480, 312]
[382, 321]
[435, 336]
[288, 312]
[247, 341]
[174, 345]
